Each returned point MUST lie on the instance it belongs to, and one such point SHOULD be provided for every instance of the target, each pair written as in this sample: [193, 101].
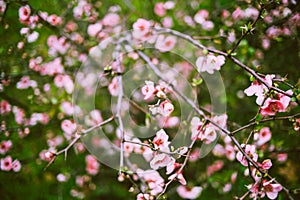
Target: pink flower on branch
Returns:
[165, 43]
[209, 63]
[189, 192]
[270, 189]
[272, 106]
[250, 150]
[160, 141]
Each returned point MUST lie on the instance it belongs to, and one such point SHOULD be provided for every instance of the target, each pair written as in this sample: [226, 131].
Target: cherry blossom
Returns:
[6, 163]
[263, 136]
[25, 83]
[153, 179]
[201, 16]
[179, 177]
[5, 146]
[141, 196]
[271, 189]
[250, 150]
[5, 107]
[54, 20]
[111, 19]
[53, 67]
[159, 9]
[209, 63]
[68, 126]
[64, 81]
[94, 29]
[16, 166]
[272, 106]
[148, 90]
[165, 43]
[166, 108]
[161, 160]
[113, 87]
[189, 192]
[216, 166]
[92, 165]
[160, 141]
[141, 29]
[259, 89]
[24, 13]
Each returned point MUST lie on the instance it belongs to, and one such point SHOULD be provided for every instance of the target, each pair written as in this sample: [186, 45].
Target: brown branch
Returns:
[229, 56]
[78, 134]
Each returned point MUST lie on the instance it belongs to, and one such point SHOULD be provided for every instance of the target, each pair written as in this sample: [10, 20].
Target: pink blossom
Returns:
[148, 90]
[271, 189]
[169, 122]
[229, 152]
[141, 28]
[64, 81]
[111, 19]
[5, 146]
[189, 192]
[92, 165]
[216, 166]
[2, 6]
[166, 108]
[96, 117]
[6, 163]
[159, 9]
[233, 177]
[161, 160]
[46, 155]
[196, 127]
[24, 13]
[53, 67]
[273, 32]
[271, 107]
[25, 83]
[264, 136]
[201, 16]
[266, 43]
[57, 45]
[218, 150]
[250, 150]
[208, 25]
[165, 43]
[161, 139]
[259, 89]
[282, 157]
[67, 108]
[68, 126]
[71, 26]
[209, 63]
[16, 166]
[38, 117]
[141, 196]
[179, 177]
[266, 164]
[237, 14]
[94, 29]
[19, 115]
[251, 12]
[5, 107]
[54, 20]
[114, 86]
[167, 22]
[154, 181]
[209, 134]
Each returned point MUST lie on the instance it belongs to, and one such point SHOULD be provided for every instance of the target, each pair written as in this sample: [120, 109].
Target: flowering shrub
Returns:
[149, 100]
